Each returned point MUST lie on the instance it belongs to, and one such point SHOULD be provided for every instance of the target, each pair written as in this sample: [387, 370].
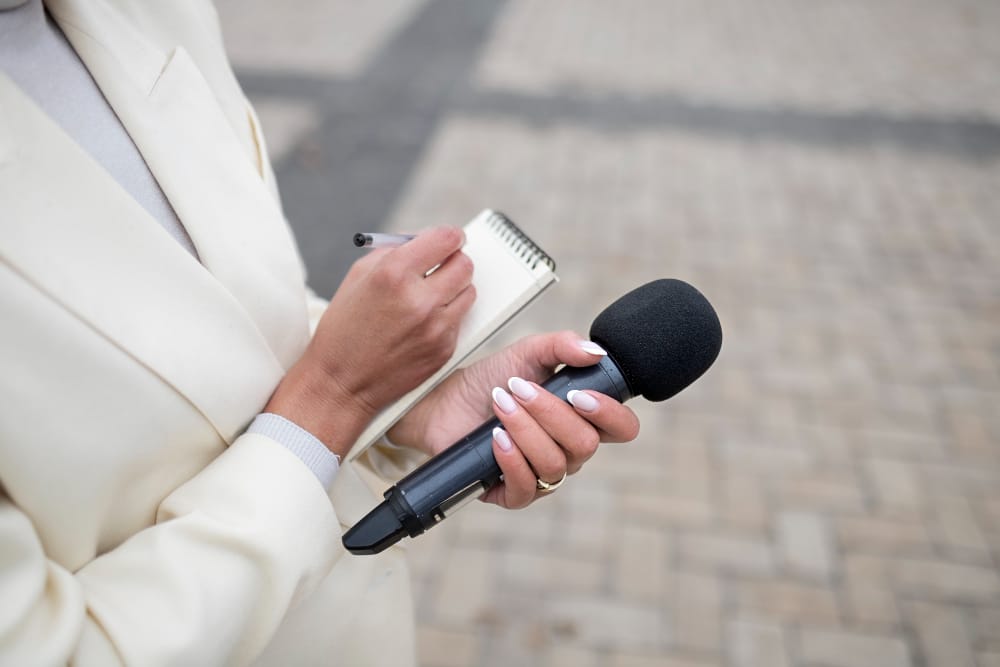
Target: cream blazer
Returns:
[138, 525]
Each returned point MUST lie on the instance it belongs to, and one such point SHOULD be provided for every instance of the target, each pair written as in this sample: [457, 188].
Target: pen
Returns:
[378, 240]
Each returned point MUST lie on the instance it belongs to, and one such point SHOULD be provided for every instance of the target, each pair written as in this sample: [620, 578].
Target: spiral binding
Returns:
[518, 241]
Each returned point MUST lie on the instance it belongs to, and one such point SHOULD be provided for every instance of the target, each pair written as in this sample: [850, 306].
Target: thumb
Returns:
[564, 347]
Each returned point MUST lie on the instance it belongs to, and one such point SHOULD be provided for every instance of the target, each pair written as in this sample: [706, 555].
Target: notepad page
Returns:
[509, 272]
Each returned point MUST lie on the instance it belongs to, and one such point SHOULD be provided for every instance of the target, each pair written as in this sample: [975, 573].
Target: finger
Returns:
[456, 309]
[429, 249]
[577, 437]
[518, 487]
[543, 454]
[549, 351]
[451, 315]
[614, 421]
[452, 276]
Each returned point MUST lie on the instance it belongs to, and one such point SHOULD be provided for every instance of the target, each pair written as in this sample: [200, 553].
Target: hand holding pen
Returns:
[389, 326]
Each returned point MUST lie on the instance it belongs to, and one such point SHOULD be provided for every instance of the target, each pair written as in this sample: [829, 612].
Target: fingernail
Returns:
[591, 347]
[583, 401]
[522, 389]
[504, 400]
[502, 439]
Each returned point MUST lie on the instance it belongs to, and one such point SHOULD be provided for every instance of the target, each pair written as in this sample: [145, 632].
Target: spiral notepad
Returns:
[511, 270]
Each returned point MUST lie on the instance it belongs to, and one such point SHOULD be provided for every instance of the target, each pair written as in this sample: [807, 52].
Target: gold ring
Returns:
[545, 487]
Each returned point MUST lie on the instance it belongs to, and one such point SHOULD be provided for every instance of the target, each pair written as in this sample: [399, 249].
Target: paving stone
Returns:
[840, 648]
[883, 536]
[570, 656]
[726, 553]
[896, 485]
[954, 526]
[742, 501]
[580, 534]
[303, 43]
[668, 509]
[697, 611]
[609, 623]
[541, 571]
[950, 582]
[754, 643]
[990, 511]
[643, 561]
[960, 478]
[986, 627]
[787, 601]
[823, 492]
[439, 647]
[988, 659]
[767, 459]
[805, 545]
[647, 660]
[465, 594]
[942, 635]
[869, 606]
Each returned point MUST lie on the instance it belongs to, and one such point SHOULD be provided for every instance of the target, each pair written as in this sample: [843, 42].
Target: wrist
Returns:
[407, 433]
[317, 403]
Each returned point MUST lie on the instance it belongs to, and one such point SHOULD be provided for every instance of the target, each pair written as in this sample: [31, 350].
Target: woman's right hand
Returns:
[391, 324]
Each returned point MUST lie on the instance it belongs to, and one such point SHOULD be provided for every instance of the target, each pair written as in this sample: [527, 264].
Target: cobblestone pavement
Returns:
[828, 174]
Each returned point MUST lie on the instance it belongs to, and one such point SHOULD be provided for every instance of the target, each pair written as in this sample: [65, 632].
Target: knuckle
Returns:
[423, 311]
[389, 277]
[546, 411]
[590, 442]
[464, 264]
[553, 467]
[449, 235]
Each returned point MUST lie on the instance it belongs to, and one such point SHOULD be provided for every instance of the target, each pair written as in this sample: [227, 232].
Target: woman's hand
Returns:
[543, 437]
[392, 323]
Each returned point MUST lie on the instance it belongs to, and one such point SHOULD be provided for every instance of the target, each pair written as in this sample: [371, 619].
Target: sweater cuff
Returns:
[321, 461]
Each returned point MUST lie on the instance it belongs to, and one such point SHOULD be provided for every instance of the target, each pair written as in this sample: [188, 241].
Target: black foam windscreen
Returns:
[663, 335]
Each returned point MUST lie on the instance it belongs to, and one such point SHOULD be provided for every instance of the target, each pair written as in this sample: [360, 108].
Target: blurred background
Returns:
[827, 173]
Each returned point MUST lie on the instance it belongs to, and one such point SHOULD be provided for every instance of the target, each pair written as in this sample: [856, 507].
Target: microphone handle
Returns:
[463, 471]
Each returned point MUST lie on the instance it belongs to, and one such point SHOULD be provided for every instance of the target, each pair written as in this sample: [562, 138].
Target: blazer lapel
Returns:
[84, 242]
[192, 149]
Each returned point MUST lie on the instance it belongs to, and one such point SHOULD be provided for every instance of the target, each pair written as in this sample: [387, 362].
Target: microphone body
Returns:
[660, 337]
[462, 472]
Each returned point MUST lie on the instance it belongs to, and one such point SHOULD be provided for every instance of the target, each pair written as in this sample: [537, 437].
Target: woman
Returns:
[153, 306]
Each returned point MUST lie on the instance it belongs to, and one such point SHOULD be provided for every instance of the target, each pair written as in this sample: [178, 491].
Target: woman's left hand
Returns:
[543, 437]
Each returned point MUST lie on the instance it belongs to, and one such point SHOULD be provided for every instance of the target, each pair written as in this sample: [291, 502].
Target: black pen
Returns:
[379, 240]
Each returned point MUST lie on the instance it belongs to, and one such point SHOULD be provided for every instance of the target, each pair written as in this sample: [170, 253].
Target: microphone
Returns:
[660, 337]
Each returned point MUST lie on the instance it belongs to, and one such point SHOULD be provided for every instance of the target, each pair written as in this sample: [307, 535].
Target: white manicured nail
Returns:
[582, 401]
[591, 347]
[522, 389]
[504, 401]
[502, 439]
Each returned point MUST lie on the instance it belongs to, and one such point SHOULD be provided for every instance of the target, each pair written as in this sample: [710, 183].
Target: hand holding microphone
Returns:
[659, 338]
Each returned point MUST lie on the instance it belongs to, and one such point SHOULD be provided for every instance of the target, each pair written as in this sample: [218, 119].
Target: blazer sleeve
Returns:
[231, 551]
